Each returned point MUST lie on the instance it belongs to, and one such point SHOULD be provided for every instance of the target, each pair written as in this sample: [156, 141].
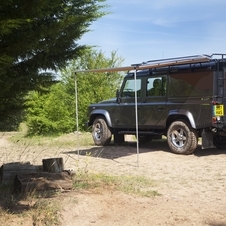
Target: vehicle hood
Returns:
[112, 100]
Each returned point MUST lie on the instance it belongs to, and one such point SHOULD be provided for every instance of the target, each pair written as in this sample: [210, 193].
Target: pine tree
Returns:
[38, 36]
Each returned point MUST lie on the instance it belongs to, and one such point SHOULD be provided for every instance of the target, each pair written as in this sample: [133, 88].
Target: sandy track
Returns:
[192, 188]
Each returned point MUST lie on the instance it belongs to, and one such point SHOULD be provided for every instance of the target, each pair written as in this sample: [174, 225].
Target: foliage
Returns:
[55, 112]
[37, 38]
[92, 87]
[49, 113]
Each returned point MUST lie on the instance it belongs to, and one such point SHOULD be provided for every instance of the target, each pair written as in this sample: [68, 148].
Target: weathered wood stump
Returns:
[53, 165]
[42, 181]
[8, 171]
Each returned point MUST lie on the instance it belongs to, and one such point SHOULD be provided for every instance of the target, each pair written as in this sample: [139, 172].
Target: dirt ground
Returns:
[192, 188]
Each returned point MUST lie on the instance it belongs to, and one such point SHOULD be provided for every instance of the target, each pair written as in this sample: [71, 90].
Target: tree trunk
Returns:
[8, 171]
[42, 181]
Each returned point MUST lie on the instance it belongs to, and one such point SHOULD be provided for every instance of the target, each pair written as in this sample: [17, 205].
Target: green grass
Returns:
[65, 140]
[135, 185]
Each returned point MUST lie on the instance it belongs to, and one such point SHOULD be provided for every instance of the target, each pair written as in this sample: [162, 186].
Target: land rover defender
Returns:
[181, 98]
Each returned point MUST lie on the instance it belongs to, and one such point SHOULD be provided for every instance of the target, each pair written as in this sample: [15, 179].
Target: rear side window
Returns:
[191, 84]
[156, 86]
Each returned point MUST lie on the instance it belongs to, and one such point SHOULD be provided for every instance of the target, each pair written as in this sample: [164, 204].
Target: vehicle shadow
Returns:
[199, 152]
[114, 151]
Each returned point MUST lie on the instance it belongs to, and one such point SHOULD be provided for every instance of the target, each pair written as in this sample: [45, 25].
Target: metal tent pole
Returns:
[76, 113]
[136, 115]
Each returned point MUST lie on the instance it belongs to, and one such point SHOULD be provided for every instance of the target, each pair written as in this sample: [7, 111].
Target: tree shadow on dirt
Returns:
[114, 151]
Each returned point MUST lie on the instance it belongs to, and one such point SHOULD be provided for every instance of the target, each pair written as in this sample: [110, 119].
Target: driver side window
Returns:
[129, 88]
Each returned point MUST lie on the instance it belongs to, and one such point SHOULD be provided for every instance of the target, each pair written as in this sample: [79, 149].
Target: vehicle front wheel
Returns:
[219, 142]
[100, 132]
[181, 138]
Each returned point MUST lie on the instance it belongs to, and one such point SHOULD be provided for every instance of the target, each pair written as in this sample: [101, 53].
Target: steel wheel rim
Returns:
[98, 131]
[178, 138]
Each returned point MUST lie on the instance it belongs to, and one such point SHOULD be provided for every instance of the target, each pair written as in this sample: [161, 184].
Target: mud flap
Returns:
[207, 139]
[118, 138]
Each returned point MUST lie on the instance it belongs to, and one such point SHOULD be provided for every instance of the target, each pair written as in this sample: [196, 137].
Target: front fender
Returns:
[185, 113]
[100, 112]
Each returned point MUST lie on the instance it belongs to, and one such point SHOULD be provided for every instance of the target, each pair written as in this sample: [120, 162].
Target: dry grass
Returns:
[36, 208]
[66, 140]
[135, 185]
[43, 208]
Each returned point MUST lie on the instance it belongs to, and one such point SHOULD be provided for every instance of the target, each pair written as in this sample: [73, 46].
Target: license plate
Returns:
[218, 110]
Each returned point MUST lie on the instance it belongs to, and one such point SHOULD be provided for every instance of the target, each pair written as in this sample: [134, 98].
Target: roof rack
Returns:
[175, 61]
[220, 55]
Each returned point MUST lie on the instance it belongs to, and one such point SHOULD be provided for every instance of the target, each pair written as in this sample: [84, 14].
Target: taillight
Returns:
[214, 120]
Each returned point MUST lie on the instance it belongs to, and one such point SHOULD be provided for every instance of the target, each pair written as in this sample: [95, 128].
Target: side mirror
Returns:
[117, 96]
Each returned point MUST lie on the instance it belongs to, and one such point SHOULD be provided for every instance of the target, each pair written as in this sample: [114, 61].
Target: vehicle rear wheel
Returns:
[181, 138]
[219, 142]
[101, 132]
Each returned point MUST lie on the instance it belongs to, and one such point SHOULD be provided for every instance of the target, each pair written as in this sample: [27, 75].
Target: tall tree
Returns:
[37, 36]
[92, 87]
[55, 112]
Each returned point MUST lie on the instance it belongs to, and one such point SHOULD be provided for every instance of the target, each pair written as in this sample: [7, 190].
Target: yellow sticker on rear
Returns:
[218, 110]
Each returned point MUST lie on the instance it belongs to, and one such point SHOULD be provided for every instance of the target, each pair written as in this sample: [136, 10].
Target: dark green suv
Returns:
[181, 98]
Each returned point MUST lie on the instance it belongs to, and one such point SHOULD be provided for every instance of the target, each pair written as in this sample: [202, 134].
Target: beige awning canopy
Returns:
[155, 64]
[126, 68]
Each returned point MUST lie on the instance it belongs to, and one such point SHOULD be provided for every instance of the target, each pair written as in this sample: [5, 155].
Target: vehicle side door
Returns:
[125, 116]
[154, 103]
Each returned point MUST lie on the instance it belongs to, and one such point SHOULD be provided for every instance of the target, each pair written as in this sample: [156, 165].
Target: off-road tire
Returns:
[100, 132]
[219, 142]
[181, 138]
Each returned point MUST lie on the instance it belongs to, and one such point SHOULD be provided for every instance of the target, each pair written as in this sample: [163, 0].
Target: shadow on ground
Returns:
[114, 151]
[199, 152]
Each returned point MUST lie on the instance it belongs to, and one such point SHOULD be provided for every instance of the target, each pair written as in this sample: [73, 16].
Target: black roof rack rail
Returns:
[222, 55]
[182, 60]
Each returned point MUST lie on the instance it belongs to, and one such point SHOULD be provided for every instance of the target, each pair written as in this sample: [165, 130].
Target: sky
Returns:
[142, 30]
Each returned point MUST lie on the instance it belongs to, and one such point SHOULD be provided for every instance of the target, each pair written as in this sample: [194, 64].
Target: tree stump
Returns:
[42, 181]
[53, 165]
